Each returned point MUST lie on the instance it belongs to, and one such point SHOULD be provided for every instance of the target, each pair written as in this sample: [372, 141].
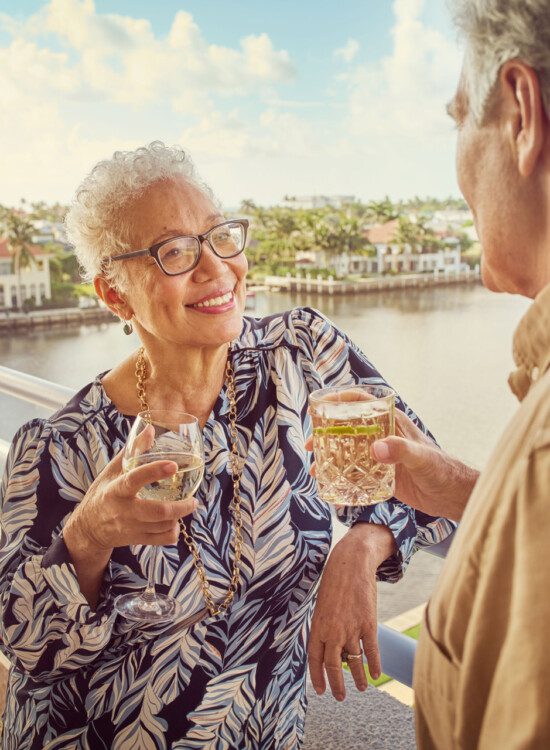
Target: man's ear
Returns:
[527, 119]
[112, 298]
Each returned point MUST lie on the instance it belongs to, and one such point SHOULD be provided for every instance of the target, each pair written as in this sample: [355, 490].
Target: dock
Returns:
[39, 319]
[332, 286]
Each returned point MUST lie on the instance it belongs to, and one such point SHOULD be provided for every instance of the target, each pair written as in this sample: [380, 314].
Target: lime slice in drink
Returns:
[348, 429]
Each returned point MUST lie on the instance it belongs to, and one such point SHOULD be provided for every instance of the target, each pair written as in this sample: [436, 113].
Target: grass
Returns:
[413, 632]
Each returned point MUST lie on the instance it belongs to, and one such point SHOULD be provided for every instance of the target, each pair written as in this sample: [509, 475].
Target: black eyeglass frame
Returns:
[200, 238]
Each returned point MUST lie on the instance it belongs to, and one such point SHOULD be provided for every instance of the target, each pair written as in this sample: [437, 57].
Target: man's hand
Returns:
[345, 614]
[426, 477]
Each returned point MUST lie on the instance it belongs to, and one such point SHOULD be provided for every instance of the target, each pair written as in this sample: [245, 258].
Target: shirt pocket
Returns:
[435, 687]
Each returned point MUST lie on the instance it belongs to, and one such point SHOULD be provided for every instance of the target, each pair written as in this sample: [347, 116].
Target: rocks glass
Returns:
[346, 421]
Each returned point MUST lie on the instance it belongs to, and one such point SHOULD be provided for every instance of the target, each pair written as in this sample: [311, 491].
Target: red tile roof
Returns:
[382, 234]
[5, 253]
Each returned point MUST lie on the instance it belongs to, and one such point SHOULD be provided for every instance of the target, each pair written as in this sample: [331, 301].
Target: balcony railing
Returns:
[397, 650]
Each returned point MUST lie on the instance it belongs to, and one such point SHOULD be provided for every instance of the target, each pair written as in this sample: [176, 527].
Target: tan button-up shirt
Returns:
[482, 672]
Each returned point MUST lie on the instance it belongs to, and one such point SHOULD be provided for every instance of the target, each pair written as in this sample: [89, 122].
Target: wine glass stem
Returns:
[150, 593]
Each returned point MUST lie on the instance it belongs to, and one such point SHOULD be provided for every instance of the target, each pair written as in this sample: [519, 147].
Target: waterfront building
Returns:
[34, 280]
[387, 255]
[308, 202]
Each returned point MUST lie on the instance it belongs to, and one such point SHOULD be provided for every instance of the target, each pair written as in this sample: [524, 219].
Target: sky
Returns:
[289, 97]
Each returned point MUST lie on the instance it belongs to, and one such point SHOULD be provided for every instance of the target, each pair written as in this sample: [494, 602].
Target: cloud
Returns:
[78, 84]
[403, 94]
[349, 51]
[121, 60]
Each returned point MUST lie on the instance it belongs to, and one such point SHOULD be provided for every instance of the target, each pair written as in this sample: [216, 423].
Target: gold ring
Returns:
[350, 657]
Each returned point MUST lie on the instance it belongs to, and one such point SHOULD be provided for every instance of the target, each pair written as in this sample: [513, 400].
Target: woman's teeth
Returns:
[215, 301]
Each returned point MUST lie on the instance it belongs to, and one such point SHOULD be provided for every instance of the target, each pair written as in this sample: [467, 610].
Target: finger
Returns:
[130, 483]
[372, 654]
[309, 443]
[312, 471]
[160, 510]
[333, 668]
[143, 442]
[356, 666]
[315, 656]
[397, 450]
[165, 538]
[405, 427]
[114, 467]
[353, 394]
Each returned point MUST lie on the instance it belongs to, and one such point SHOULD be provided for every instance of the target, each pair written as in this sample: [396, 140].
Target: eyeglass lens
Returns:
[179, 254]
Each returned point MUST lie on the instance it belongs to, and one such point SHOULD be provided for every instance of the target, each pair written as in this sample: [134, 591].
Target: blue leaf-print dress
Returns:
[88, 679]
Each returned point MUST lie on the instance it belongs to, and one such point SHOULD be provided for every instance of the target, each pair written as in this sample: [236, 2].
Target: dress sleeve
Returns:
[338, 361]
[47, 628]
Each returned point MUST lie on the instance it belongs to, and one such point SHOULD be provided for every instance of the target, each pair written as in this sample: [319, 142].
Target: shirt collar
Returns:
[532, 345]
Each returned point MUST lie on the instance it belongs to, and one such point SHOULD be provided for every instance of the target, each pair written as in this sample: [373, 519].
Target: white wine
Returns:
[346, 473]
[180, 485]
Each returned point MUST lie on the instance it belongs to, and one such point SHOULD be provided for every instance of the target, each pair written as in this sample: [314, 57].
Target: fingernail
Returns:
[375, 675]
[319, 691]
[381, 451]
[339, 697]
[362, 688]
[169, 468]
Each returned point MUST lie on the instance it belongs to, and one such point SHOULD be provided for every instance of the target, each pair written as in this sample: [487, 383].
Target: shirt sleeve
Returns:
[524, 645]
[338, 361]
[47, 628]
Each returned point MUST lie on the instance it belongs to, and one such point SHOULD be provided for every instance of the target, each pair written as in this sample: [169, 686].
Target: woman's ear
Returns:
[527, 117]
[112, 298]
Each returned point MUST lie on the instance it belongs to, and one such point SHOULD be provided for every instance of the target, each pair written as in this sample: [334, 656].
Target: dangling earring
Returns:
[127, 328]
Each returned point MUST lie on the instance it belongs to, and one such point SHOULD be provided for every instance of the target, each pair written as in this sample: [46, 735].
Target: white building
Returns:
[390, 256]
[318, 201]
[35, 280]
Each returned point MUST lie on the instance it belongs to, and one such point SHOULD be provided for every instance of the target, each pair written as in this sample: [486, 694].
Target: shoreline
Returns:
[364, 286]
[37, 319]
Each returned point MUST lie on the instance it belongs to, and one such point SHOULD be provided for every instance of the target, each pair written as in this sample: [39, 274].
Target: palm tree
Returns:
[18, 230]
[382, 211]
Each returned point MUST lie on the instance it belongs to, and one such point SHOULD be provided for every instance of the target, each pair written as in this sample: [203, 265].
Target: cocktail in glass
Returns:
[346, 422]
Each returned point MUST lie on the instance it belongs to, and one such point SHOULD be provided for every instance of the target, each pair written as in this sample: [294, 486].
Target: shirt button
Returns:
[534, 374]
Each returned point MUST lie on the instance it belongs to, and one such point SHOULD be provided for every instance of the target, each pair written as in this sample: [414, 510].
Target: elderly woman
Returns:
[75, 535]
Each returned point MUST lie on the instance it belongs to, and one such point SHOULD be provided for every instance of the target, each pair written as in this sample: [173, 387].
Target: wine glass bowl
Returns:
[160, 435]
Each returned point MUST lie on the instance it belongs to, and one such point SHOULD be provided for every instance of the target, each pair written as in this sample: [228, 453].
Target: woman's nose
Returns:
[209, 265]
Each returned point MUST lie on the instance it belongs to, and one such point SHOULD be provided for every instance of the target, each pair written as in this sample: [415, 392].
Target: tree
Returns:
[18, 230]
[382, 211]
[248, 207]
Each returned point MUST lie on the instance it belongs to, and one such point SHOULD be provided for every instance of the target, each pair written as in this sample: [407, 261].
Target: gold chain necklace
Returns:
[215, 608]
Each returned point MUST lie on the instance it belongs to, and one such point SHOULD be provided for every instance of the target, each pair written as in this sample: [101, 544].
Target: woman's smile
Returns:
[214, 304]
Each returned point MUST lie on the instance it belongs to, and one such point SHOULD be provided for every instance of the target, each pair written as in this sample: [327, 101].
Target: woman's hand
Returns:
[111, 515]
[426, 477]
[345, 613]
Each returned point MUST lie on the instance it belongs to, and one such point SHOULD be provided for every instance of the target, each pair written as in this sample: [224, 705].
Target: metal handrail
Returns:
[34, 390]
[397, 650]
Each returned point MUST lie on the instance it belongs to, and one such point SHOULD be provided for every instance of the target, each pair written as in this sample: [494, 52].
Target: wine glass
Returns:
[159, 435]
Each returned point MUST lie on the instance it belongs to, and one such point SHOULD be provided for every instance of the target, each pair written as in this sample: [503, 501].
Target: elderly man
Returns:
[482, 677]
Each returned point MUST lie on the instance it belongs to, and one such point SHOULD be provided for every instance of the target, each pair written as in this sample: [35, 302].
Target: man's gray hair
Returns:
[499, 30]
[95, 224]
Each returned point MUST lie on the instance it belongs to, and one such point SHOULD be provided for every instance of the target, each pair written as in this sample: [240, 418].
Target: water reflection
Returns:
[447, 350]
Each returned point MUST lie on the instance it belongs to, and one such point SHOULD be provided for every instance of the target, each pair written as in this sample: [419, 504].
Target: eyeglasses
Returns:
[181, 254]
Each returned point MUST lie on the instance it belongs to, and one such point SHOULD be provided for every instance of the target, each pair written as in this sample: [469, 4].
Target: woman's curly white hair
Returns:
[95, 223]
